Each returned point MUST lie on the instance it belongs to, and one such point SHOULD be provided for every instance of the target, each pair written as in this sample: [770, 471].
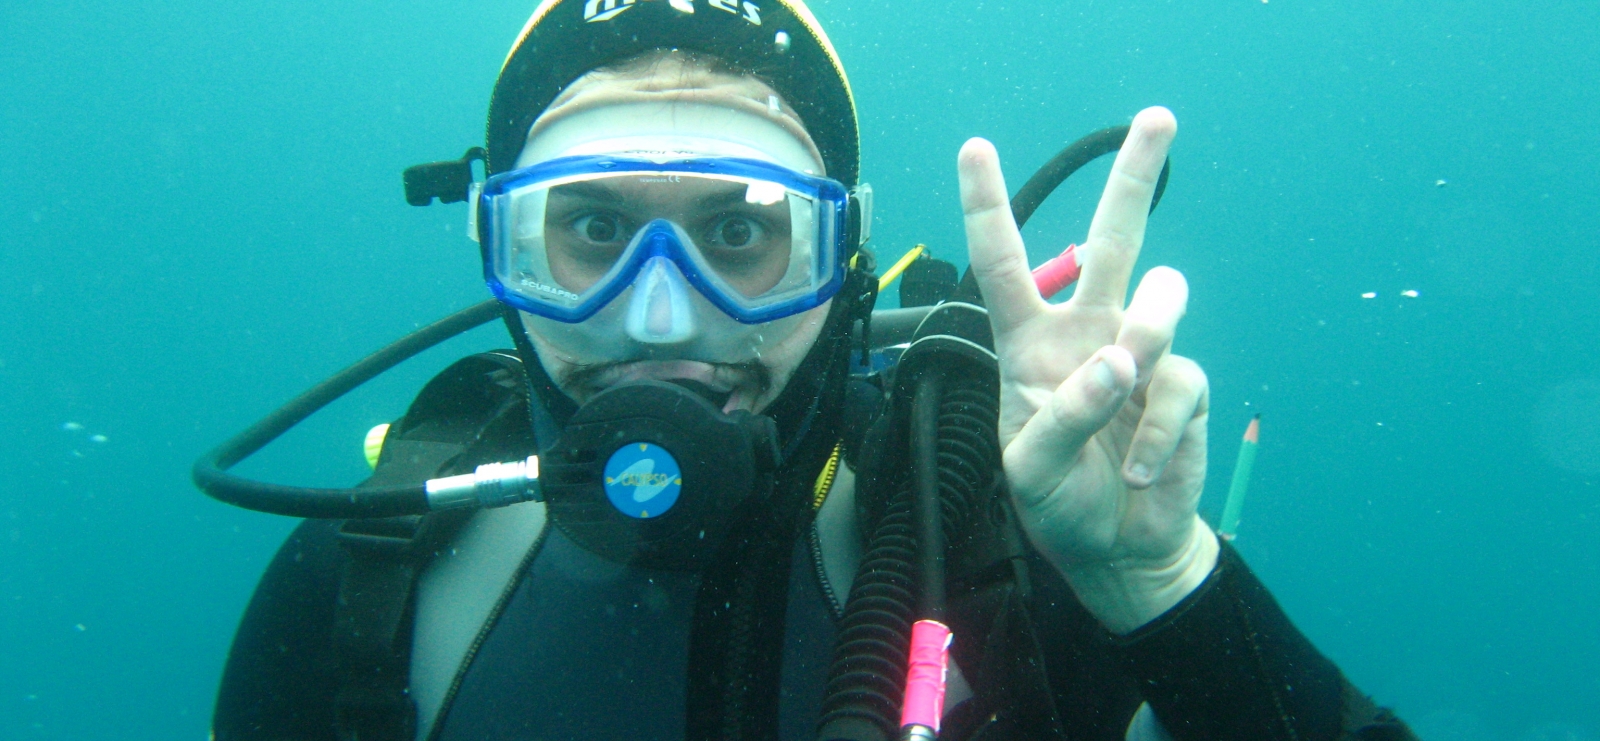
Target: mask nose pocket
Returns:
[660, 312]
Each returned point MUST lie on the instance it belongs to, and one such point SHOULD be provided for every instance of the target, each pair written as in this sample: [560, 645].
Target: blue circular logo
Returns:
[643, 480]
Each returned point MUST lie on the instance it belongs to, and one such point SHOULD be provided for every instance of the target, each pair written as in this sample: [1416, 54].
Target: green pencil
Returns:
[1241, 479]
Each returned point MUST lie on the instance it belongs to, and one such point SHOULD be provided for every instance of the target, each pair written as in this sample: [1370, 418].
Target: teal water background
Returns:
[203, 215]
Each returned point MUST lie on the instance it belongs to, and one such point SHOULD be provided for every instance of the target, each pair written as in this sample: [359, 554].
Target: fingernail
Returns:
[1101, 373]
[1140, 471]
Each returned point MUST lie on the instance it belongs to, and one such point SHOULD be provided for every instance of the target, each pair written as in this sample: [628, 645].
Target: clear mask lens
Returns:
[756, 240]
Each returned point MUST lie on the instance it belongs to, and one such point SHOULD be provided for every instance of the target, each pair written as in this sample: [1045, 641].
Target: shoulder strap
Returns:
[473, 412]
[459, 596]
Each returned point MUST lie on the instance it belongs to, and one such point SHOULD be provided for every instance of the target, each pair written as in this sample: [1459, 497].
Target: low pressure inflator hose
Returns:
[490, 486]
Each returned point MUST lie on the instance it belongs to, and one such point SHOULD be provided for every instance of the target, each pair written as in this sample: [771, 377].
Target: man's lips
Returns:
[722, 379]
[728, 386]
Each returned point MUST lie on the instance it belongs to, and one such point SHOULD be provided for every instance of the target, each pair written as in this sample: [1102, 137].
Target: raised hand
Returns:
[1104, 430]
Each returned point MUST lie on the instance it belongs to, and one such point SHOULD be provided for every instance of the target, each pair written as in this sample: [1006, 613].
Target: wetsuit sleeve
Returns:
[280, 680]
[1226, 663]
[1095, 697]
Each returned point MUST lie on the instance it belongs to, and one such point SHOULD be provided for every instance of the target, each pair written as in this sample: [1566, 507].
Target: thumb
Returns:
[1049, 445]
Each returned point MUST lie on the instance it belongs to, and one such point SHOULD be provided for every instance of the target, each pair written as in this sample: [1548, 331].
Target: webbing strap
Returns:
[373, 622]
[372, 631]
[374, 617]
[997, 637]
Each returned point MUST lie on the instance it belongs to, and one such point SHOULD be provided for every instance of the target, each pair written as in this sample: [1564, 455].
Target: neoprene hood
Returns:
[777, 41]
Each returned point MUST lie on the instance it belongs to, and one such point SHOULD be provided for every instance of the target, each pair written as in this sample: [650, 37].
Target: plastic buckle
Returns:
[393, 536]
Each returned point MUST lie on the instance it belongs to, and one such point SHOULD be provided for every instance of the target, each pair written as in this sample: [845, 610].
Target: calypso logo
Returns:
[642, 480]
[595, 11]
[645, 481]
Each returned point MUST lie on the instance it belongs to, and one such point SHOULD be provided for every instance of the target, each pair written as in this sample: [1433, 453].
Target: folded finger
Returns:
[999, 260]
[1152, 318]
[1049, 444]
[1117, 231]
[1178, 393]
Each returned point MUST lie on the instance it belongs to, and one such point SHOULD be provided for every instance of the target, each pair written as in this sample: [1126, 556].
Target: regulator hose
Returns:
[901, 579]
[867, 678]
[211, 470]
[1069, 160]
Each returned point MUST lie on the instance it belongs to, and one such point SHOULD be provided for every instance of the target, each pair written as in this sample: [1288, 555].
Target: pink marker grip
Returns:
[930, 656]
[1058, 272]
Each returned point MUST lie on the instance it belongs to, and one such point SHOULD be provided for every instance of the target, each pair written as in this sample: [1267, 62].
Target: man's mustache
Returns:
[749, 374]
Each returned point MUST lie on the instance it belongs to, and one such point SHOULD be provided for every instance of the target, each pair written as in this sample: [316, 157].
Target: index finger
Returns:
[994, 246]
[1117, 232]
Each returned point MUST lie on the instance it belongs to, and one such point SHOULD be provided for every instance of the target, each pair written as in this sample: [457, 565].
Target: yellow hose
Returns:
[900, 266]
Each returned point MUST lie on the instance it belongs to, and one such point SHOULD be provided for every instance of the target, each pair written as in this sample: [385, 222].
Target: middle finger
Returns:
[1151, 320]
[1117, 231]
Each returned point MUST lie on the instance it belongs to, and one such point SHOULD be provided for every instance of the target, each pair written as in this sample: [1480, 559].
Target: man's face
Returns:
[745, 242]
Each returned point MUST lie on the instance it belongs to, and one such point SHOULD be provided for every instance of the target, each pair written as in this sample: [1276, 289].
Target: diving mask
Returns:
[756, 240]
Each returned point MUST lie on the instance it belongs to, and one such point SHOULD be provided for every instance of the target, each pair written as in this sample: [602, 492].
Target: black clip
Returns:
[861, 285]
[450, 181]
[927, 281]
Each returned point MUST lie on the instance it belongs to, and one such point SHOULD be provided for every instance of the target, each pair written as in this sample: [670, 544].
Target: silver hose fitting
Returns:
[491, 485]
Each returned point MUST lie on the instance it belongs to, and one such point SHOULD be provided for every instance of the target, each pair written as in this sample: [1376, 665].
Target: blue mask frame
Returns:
[660, 238]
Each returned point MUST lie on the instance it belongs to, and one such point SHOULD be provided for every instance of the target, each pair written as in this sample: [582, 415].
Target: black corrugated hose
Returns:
[898, 582]
[866, 681]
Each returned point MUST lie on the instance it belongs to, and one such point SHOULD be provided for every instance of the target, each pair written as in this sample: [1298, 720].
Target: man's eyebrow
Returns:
[587, 190]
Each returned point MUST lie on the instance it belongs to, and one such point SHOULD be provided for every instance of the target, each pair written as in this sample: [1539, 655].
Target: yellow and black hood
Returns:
[779, 41]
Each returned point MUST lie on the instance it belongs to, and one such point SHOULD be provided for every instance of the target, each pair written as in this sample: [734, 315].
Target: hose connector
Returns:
[491, 485]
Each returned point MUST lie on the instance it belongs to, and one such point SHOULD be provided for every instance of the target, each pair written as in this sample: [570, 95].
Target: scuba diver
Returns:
[699, 500]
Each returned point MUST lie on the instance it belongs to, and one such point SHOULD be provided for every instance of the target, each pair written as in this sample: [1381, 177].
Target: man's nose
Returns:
[660, 311]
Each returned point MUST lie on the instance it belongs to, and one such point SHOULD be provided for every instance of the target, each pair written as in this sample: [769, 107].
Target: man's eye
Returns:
[600, 228]
[735, 232]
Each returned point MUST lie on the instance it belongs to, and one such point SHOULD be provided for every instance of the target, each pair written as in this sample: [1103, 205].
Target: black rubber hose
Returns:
[1070, 160]
[866, 683]
[925, 508]
[210, 472]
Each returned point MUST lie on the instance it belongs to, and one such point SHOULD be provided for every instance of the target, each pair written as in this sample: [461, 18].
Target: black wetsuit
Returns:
[584, 649]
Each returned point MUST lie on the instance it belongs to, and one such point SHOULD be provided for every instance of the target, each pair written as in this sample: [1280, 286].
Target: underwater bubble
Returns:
[1568, 424]
[71, 426]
